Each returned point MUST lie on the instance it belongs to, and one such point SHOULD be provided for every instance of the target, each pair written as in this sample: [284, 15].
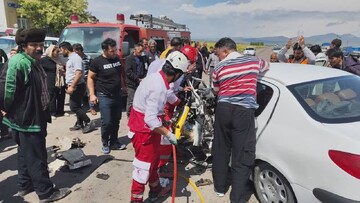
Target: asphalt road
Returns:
[264, 53]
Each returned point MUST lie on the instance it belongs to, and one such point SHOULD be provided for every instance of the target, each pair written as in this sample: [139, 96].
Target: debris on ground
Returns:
[77, 143]
[75, 158]
[66, 143]
[102, 176]
[56, 165]
[203, 182]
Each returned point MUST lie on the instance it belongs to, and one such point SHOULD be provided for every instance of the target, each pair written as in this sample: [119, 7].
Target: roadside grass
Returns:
[239, 46]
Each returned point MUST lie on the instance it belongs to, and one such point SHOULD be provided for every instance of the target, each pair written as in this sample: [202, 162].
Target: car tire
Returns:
[271, 185]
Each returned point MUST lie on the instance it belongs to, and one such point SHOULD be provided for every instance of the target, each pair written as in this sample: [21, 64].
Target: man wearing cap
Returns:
[24, 97]
[302, 54]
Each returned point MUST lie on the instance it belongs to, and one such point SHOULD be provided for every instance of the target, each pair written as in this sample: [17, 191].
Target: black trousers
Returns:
[57, 101]
[32, 162]
[76, 99]
[234, 147]
[130, 99]
[3, 128]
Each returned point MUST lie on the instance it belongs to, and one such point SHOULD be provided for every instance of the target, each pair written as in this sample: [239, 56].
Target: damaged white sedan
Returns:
[308, 135]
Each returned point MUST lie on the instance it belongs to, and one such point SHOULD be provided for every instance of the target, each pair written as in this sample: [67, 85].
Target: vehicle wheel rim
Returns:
[271, 187]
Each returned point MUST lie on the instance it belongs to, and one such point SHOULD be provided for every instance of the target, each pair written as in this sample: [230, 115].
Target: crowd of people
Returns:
[33, 86]
[333, 57]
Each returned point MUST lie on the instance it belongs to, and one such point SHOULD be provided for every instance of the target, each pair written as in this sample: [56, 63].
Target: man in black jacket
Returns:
[135, 72]
[25, 99]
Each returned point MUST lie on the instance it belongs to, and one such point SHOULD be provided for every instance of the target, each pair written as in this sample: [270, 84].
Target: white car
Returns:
[276, 49]
[250, 51]
[308, 135]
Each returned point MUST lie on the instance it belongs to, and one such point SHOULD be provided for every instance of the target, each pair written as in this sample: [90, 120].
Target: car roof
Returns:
[46, 38]
[289, 73]
[52, 38]
[8, 37]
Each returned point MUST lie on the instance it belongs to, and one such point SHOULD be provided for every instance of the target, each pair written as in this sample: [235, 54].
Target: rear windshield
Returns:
[333, 100]
[90, 37]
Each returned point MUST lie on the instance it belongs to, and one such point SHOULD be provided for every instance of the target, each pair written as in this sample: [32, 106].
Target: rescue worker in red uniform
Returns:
[146, 126]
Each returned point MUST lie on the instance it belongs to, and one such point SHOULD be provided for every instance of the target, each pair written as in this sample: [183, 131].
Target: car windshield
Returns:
[276, 48]
[332, 100]
[90, 37]
[7, 44]
[250, 48]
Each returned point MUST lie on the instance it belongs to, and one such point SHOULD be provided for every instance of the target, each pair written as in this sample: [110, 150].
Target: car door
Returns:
[267, 98]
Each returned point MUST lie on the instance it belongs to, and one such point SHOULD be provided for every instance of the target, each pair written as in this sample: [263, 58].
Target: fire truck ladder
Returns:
[163, 22]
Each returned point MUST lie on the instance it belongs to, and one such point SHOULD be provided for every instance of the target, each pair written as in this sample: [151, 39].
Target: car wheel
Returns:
[271, 186]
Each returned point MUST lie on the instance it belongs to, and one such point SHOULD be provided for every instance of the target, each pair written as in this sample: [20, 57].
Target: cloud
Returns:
[335, 23]
[242, 18]
[232, 2]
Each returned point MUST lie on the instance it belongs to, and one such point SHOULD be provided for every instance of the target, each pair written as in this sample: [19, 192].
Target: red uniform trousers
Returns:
[165, 149]
[146, 147]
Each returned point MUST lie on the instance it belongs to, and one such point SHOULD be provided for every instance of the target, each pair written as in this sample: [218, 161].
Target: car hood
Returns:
[350, 130]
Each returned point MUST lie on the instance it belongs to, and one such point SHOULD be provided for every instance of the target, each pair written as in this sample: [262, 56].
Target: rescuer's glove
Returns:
[172, 138]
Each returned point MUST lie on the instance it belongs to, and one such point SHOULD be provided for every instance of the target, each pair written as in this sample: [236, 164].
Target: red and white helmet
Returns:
[190, 52]
[178, 61]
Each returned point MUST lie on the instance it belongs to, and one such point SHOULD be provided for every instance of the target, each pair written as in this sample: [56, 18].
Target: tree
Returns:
[52, 15]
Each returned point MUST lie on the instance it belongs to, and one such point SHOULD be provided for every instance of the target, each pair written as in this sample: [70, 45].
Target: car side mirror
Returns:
[125, 49]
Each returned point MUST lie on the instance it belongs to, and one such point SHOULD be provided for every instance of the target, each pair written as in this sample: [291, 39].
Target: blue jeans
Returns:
[110, 110]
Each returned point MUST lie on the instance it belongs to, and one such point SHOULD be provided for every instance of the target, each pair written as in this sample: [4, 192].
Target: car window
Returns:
[333, 100]
[249, 48]
[90, 37]
[7, 44]
[264, 94]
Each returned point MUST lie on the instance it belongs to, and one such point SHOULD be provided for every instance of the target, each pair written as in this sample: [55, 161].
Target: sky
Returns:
[242, 18]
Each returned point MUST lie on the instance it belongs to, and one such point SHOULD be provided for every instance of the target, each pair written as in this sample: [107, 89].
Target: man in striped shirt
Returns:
[234, 80]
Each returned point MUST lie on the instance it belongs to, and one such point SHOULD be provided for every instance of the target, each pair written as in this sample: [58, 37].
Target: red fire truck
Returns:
[90, 35]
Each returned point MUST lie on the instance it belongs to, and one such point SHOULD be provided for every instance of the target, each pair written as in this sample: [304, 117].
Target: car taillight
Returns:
[350, 163]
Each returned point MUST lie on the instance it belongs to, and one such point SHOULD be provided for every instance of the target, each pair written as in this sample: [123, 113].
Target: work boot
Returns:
[58, 194]
[77, 126]
[88, 127]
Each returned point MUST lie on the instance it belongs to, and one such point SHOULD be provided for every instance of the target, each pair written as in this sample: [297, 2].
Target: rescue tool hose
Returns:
[195, 188]
[187, 179]
[175, 175]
